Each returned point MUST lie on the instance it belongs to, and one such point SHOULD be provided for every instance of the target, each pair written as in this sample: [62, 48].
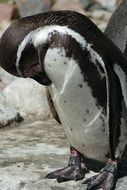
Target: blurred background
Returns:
[98, 10]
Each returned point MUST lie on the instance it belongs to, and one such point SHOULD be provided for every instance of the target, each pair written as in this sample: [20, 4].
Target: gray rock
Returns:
[31, 150]
[74, 5]
[30, 7]
[87, 3]
[8, 115]
[121, 184]
[108, 4]
[27, 96]
[5, 77]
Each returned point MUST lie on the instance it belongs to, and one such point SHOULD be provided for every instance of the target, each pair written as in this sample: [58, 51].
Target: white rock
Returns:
[27, 96]
[5, 77]
[8, 115]
[108, 4]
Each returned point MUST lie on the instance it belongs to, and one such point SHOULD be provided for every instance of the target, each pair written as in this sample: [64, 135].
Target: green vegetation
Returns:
[1, 1]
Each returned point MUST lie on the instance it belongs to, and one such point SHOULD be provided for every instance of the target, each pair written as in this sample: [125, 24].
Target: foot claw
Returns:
[75, 171]
[69, 173]
[105, 180]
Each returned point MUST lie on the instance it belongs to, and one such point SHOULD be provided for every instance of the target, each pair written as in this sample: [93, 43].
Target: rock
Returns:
[8, 11]
[74, 5]
[5, 77]
[121, 184]
[54, 185]
[2, 85]
[98, 15]
[27, 96]
[108, 4]
[29, 7]
[87, 3]
[3, 26]
[8, 115]
[31, 150]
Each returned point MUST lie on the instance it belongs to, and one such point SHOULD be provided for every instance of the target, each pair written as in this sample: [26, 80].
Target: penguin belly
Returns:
[84, 122]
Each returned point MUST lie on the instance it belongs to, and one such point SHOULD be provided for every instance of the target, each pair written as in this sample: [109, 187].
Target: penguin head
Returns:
[19, 57]
[43, 46]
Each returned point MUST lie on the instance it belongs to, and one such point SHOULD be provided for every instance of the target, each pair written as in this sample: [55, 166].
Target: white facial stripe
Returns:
[44, 32]
[40, 36]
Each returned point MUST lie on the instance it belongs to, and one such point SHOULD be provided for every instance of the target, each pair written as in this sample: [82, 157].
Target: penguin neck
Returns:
[116, 29]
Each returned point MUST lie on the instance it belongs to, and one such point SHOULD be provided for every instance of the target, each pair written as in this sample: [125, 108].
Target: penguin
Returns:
[86, 74]
[116, 29]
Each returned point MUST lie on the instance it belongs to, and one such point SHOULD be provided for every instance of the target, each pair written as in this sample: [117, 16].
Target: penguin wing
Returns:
[52, 106]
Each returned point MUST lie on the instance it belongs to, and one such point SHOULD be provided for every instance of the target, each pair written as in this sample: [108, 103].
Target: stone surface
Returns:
[27, 96]
[87, 3]
[74, 5]
[30, 150]
[5, 77]
[8, 11]
[110, 5]
[8, 115]
[29, 7]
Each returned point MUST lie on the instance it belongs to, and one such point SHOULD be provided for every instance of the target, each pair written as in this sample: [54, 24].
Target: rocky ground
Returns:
[30, 150]
[31, 142]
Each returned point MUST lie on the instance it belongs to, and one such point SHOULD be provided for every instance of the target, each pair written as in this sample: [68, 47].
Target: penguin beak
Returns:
[36, 72]
[42, 78]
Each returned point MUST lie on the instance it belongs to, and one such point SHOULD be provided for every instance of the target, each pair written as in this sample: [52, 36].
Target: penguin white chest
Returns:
[83, 120]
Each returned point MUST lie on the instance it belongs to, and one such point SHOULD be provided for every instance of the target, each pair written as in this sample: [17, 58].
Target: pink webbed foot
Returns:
[106, 180]
[74, 171]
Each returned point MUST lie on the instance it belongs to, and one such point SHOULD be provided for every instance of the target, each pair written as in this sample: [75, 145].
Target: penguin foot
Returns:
[74, 171]
[106, 180]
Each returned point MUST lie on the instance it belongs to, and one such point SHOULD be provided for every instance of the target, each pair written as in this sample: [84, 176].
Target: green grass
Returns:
[1, 1]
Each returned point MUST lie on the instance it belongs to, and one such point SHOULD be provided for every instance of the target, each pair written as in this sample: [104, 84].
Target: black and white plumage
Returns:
[85, 74]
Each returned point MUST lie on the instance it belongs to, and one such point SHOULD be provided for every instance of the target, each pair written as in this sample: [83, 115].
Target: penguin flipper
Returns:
[52, 106]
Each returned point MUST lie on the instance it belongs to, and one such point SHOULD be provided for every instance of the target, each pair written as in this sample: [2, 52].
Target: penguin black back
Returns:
[15, 34]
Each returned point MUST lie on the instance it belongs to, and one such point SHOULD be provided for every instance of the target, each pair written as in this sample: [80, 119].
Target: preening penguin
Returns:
[86, 75]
